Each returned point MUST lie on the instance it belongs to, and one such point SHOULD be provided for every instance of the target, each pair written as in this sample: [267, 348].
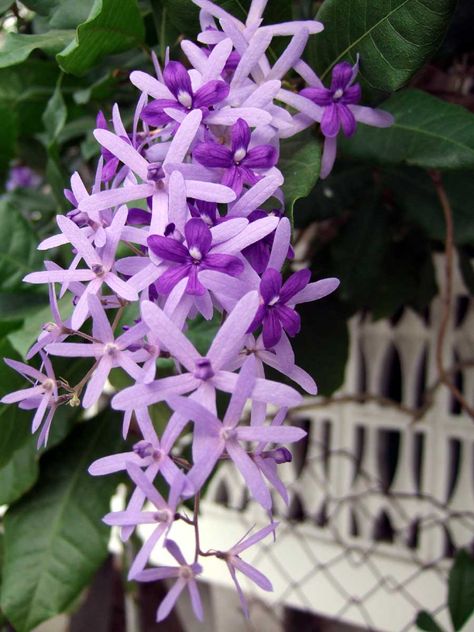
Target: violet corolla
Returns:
[176, 229]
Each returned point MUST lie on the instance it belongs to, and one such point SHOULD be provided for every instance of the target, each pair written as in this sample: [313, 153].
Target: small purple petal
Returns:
[177, 80]
[240, 136]
[260, 157]
[169, 279]
[295, 283]
[330, 123]
[227, 264]
[270, 285]
[289, 319]
[341, 76]
[213, 155]
[168, 248]
[198, 237]
[271, 329]
[210, 93]
[348, 122]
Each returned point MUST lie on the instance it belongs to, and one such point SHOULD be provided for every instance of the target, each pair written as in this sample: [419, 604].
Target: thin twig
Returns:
[362, 398]
[196, 526]
[447, 297]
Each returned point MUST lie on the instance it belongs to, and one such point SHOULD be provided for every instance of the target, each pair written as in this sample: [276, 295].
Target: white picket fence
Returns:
[378, 502]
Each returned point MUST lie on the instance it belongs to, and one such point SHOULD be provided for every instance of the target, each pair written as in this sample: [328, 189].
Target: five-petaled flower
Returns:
[238, 162]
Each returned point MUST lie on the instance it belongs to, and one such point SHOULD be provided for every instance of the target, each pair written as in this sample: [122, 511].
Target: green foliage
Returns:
[19, 474]
[54, 536]
[427, 132]
[18, 254]
[55, 114]
[416, 197]
[425, 621]
[112, 27]
[300, 162]
[394, 38]
[322, 345]
[17, 47]
[461, 589]
[8, 133]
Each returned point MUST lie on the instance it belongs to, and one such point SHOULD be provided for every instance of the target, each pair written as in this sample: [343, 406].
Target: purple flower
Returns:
[337, 108]
[100, 265]
[218, 437]
[110, 161]
[181, 95]
[42, 394]
[204, 374]
[21, 177]
[273, 314]
[238, 162]
[54, 331]
[258, 253]
[336, 100]
[185, 577]
[236, 563]
[191, 259]
[163, 515]
[276, 312]
[207, 211]
[108, 351]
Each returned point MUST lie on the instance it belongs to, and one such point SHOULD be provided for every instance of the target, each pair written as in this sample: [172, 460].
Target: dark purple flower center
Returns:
[155, 172]
[279, 455]
[204, 370]
[145, 449]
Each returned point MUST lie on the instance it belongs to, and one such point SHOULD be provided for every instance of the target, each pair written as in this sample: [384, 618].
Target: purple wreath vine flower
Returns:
[191, 259]
[339, 109]
[185, 575]
[236, 563]
[238, 162]
[276, 313]
[178, 94]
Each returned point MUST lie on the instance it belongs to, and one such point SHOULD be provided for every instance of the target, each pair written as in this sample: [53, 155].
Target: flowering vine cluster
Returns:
[186, 218]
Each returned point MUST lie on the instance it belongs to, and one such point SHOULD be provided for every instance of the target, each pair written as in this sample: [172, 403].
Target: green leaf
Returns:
[406, 276]
[300, 162]
[461, 589]
[25, 90]
[359, 251]
[55, 114]
[17, 47]
[112, 27]
[18, 254]
[425, 621]
[69, 14]
[394, 38]
[5, 5]
[201, 332]
[8, 134]
[54, 537]
[414, 193]
[14, 422]
[19, 474]
[427, 132]
[322, 346]
[43, 7]
[23, 338]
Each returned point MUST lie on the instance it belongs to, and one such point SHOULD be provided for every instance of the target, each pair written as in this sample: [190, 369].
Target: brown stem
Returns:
[447, 298]
[196, 526]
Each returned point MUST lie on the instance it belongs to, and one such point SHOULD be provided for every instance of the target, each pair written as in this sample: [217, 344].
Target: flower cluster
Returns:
[185, 220]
